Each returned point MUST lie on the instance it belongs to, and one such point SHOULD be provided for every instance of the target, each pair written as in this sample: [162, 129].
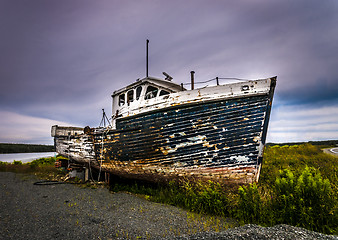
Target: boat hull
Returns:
[74, 143]
[220, 139]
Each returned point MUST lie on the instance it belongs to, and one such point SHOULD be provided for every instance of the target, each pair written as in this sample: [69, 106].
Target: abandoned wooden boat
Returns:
[159, 128]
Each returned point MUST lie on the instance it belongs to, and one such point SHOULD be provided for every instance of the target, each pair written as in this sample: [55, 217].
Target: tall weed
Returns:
[250, 206]
[305, 201]
[206, 197]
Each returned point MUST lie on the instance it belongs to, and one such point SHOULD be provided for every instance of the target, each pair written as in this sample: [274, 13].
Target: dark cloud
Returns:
[62, 59]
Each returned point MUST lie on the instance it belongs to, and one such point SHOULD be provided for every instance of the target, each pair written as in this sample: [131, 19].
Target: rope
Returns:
[48, 182]
[53, 182]
[101, 158]
[90, 170]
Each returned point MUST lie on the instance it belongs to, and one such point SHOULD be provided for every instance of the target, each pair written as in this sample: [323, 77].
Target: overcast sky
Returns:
[61, 60]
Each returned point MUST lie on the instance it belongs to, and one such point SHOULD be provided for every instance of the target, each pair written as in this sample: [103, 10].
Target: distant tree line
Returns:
[24, 148]
[327, 143]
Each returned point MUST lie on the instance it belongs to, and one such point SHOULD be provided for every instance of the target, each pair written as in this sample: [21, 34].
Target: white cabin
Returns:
[141, 93]
[151, 93]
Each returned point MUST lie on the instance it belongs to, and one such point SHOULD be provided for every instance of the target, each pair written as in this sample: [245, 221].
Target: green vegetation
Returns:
[305, 200]
[298, 186]
[296, 158]
[322, 144]
[24, 148]
[43, 168]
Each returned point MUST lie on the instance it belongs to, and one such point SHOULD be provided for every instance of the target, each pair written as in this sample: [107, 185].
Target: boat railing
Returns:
[216, 81]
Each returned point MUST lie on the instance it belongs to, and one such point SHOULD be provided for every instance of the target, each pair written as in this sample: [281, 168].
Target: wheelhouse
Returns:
[141, 92]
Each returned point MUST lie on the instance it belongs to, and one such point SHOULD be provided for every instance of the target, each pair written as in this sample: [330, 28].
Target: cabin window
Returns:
[138, 92]
[164, 92]
[130, 96]
[151, 92]
[121, 99]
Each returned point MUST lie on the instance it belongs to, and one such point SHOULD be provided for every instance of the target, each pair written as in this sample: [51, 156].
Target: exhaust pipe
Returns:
[192, 80]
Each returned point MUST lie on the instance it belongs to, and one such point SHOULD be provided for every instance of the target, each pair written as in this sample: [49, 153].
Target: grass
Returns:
[43, 168]
[297, 186]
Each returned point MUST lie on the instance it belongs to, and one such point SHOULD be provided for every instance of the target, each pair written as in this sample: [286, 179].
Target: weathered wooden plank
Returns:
[212, 135]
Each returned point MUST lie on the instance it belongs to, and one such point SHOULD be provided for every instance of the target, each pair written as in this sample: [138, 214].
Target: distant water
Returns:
[24, 157]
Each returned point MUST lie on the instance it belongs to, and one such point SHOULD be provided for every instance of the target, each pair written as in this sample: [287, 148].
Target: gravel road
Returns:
[332, 151]
[66, 211]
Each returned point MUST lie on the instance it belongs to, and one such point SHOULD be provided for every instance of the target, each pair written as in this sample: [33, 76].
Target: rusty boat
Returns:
[160, 129]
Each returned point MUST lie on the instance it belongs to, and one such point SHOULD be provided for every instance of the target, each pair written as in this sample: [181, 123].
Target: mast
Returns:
[147, 75]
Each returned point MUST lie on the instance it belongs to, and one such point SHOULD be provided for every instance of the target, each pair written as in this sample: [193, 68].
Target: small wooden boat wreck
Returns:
[159, 129]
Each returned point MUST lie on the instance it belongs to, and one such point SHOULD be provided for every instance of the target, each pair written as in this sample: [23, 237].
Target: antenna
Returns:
[167, 76]
[147, 60]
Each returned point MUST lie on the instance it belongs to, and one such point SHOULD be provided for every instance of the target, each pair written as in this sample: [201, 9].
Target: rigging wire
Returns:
[104, 119]
[201, 82]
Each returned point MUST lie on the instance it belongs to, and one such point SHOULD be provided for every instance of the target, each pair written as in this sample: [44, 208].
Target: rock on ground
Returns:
[251, 231]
